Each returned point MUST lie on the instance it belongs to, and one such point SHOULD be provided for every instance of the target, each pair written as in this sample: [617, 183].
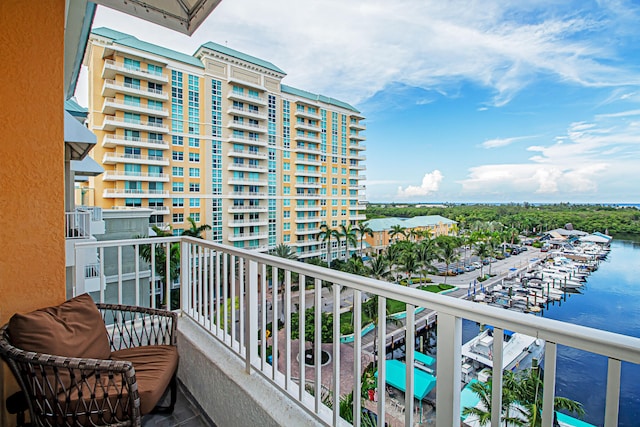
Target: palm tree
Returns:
[283, 251]
[397, 231]
[409, 263]
[370, 309]
[325, 234]
[380, 267]
[483, 411]
[483, 251]
[348, 233]
[426, 252]
[448, 253]
[160, 259]
[363, 230]
[195, 230]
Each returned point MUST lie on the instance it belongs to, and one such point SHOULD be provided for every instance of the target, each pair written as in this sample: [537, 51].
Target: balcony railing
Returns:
[213, 274]
[77, 225]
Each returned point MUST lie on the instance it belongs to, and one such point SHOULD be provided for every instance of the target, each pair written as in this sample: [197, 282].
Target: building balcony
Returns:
[134, 176]
[118, 193]
[308, 173]
[245, 167]
[245, 112]
[357, 187]
[159, 210]
[358, 217]
[247, 181]
[358, 207]
[306, 196]
[247, 195]
[245, 83]
[315, 253]
[307, 242]
[355, 145]
[306, 138]
[359, 177]
[111, 105]
[247, 208]
[307, 219]
[308, 150]
[357, 125]
[307, 208]
[258, 222]
[306, 114]
[308, 162]
[111, 68]
[111, 123]
[307, 126]
[259, 142]
[361, 158]
[307, 231]
[247, 154]
[359, 167]
[247, 236]
[357, 137]
[113, 158]
[245, 97]
[111, 141]
[225, 368]
[236, 124]
[111, 87]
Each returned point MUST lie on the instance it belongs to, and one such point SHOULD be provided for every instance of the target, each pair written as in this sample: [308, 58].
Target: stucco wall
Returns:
[32, 264]
[217, 379]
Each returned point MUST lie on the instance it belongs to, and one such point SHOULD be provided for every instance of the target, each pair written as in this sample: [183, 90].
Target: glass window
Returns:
[178, 202]
[194, 203]
[178, 217]
[178, 156]
[177, 171]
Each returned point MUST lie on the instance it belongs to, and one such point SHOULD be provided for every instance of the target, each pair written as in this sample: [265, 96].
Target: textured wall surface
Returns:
[217, 379]
[32, 265]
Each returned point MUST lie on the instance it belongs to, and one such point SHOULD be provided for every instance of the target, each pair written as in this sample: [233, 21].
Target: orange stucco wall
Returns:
[32, 263]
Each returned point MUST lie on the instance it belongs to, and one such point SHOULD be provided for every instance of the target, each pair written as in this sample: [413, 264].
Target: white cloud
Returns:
[430, 184]
[428, 44]
[502, 142]
[606, 149]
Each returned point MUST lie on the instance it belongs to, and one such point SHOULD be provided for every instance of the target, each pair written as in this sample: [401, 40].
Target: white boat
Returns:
[518, 350]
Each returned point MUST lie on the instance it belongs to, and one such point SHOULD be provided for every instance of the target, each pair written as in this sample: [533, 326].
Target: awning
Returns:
[423, 382]
[86, 167]
[80, 139]
[424, 358]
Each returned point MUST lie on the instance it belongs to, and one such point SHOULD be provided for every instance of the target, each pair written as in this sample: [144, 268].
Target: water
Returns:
[610, 301]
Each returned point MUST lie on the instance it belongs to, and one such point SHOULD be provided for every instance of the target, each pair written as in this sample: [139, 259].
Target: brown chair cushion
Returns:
[154, 366]
[72, 329]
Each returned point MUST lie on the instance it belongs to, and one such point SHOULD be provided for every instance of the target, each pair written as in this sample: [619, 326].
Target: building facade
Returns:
[217, 137]
[416, 228]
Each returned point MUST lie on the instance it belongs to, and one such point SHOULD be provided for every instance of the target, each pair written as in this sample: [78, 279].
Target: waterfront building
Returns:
[217, 137]
[431, 225]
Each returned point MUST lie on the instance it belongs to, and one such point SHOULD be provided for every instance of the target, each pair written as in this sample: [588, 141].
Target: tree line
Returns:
[525, 217]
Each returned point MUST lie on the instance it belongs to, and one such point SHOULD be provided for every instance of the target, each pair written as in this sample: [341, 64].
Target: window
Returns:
[194, 142]
[194, 172]
[194, 187]
[194, 157]
[334, 181]
[178, 202]
[131, 64]
[132, 83]
[177, 171]
[178, 156]
[177, 140]
[195, 216]
[287, 226]
[286, 178]
[178, 217]
[133, 203]
[287, 214]
[194, 203]
[155, 105]
[132, 100]
[131, 118]
[177, 187]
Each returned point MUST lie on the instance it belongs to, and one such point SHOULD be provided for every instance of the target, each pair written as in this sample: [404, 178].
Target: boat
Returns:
[518, 352]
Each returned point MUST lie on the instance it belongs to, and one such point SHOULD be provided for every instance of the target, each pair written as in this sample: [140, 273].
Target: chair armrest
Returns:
[132, 326]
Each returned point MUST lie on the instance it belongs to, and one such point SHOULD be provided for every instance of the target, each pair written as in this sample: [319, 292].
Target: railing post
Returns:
[449, 356]
[184, 275]
[251, 323]
[613, 393]
[549, 380]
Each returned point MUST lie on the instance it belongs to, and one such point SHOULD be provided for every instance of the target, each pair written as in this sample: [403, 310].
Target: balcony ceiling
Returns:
[184, 16]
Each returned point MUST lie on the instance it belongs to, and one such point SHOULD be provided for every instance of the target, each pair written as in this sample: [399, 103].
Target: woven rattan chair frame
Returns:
[73, 392]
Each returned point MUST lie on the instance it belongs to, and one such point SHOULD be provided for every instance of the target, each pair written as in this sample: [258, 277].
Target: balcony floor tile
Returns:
[187, 413]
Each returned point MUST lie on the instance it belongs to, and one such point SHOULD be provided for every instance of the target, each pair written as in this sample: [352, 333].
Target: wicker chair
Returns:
[69, 391]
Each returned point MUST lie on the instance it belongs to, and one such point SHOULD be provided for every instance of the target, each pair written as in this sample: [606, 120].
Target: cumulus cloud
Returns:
[605, 149]
[430, 184]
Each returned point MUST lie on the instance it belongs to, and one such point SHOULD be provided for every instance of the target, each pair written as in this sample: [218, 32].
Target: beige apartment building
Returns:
[216, 136]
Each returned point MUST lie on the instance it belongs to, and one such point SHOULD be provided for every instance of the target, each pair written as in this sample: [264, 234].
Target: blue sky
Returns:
[475, 101]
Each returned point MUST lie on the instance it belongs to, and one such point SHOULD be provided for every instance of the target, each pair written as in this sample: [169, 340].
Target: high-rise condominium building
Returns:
[217, 137]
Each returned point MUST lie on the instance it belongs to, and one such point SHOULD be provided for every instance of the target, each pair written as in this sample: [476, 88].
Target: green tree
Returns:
[363, 230]
[325, 235]
[349, 235]
[380, 267]
[195, 230]
[397, 231]
[160, 260]
[448, 252]
[283, 251]
[483, 251]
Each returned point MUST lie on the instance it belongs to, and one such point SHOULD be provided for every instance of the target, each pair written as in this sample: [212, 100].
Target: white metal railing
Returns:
[137, 88]
[77, 224]
[92, 271]
[95, 212]
[127, 68]
[211, 276]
